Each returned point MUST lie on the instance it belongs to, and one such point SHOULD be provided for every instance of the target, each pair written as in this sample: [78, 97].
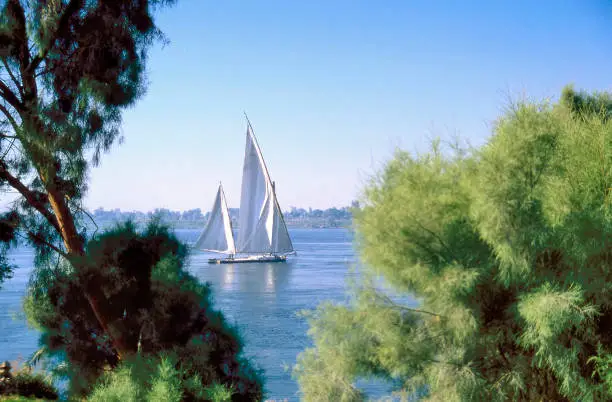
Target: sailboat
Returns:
[262, 234]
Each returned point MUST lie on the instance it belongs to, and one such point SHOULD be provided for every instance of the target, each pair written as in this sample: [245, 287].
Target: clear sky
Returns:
[332, 87]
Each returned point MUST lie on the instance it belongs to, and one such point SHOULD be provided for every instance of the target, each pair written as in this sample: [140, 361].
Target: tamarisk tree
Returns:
[508, 250]
[67, 70]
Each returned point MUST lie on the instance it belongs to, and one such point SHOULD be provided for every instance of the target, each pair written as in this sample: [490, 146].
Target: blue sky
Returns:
[332, 87]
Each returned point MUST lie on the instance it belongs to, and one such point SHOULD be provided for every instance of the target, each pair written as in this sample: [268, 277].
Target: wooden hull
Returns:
[251, 259]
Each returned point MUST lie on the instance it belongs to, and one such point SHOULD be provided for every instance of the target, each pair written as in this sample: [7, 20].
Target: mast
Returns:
[263, 162]
[229, 230]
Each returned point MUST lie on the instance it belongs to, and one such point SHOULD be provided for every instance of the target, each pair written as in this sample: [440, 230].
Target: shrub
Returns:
[152, 303]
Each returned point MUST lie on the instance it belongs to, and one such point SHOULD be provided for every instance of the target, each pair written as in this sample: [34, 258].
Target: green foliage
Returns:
[219, 393]
[25, 385]
[507, 249]
[8, 237]
[73, 67]
[138, 379]
[166, 386]
[583, 103]
[603, 368]
[69, 69]
[155, 304]
[160, 378]
[118, 386]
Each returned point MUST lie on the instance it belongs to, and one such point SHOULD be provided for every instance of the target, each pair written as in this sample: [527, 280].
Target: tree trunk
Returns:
[65, 219]
[72, 239]
[75, 248]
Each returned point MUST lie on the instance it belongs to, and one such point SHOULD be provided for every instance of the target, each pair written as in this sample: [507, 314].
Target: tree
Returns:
[508, 250]
[68, 70]
[160, 308]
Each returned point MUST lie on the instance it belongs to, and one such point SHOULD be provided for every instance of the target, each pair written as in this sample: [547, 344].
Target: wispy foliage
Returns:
[158, 379]
[68, 69]
[507, 248]
[158, 307]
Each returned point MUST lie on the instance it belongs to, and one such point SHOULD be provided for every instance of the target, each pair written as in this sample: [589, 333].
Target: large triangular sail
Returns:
[218, 236]
[262, 228]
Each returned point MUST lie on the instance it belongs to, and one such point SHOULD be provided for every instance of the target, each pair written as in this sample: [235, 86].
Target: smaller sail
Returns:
[281, 242]
[218, 236]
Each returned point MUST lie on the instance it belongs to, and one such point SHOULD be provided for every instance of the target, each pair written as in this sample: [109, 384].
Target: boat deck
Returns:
[250, 259]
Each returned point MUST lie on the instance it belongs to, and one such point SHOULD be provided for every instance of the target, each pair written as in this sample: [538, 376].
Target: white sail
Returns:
[281, 242]
[262, 228]
[218, 236]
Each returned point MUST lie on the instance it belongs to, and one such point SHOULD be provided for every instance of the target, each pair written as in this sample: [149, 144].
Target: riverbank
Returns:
[322, 223]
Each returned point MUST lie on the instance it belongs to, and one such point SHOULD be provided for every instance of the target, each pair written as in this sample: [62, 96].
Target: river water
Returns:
[262, 299]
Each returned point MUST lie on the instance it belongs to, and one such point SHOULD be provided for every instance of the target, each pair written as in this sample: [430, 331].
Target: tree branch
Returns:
[29, 195]
[72, 7]
[89, 216]
[8, 69]
[40, 239]
[503, 355]
[10, 118]
[443, 362]
[8, 149]
[50, 245]
[430, 250]
[49, 69]
[393, 304]
[442, 243]
[10, 97]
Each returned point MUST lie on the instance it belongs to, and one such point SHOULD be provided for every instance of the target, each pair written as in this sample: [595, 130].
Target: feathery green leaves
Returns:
[508, 251]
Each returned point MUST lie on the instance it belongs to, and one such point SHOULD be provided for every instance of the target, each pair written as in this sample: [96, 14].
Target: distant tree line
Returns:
[337, 213]
[331, 217]
[116, 214]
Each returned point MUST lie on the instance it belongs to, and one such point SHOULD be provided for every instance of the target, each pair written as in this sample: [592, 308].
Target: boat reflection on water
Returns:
[269, 279]
[246, 277]
[228, 277]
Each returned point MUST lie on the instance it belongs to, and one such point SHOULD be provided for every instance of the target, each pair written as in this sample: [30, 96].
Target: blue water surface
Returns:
[262, 299]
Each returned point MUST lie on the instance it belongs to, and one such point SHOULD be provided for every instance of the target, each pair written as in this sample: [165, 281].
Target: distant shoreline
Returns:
[305, 224]
[296, 218]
